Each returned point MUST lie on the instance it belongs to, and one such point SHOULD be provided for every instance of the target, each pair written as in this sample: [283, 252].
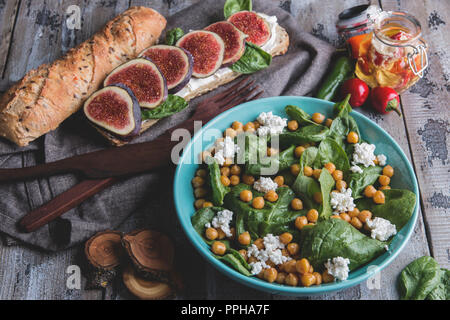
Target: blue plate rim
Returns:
[258, 284]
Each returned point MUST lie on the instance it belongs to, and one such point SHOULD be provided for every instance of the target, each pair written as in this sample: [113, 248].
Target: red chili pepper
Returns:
[385, 100]
[358, 89]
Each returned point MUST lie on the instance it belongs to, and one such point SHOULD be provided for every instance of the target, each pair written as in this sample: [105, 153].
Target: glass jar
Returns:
[388, 47]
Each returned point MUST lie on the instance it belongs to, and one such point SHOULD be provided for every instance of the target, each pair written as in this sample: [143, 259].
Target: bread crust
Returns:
[47, 96]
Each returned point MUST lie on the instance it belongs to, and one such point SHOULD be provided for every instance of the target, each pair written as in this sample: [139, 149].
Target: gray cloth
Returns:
[296, 73]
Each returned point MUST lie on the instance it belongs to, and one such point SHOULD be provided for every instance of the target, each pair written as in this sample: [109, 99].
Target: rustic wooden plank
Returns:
[8, 11]
[427, 114]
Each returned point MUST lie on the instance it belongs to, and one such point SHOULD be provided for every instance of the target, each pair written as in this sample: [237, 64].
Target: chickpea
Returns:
[238, 126]
[370, 191]
[297, 204]
[326, 277]
[293, 125]
[317, 173]
[257, 125]
[279, 180]
[243, 254]
[308, 171]
[385, 188]
[299, 151]
[281, 278]
[246, 195]
[388, 171]
[365, 215]
[252, 260]
[225, 181]
[235, 180]
[270, 275]
[311, 270]
[313, 215]
[328, 123]
[338, 175]
[289, 266]
[345, 217]
[233, 234]
[376, 161]
[301, 222]
[341, 184]
[225, 172]
[249, 180]
[318, 198]
[230, 132]
[272, 152]
[258, 203]
[308, 280]
[356, 223]
[222, 234]
[202, 173]
[211, 234]
[245, 239]
[235, 170]
[200, 193]
[291, 280]
[228, 162]
[379, 197]
[250, 127]
[353, 138]
[295, 169]
[354, 213]
[259, 243]
[198, 204]
[271, 196]
[318, 277]
[318, 118]
[330, 167]
[303, 266]
[336, 217]
[293, 248]
[205, 155]
[286, 238]
[219, 248]
[208, 205]
[384, 180]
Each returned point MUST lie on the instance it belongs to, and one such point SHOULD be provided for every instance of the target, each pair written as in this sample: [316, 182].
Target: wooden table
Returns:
[33, 32]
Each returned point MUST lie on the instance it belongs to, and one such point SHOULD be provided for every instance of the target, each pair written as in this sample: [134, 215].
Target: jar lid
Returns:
[357, 16]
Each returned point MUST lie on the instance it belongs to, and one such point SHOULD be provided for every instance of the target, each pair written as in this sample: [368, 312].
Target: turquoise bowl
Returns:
[370, 131]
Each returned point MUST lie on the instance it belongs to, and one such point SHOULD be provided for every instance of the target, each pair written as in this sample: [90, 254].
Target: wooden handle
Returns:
[63, 203]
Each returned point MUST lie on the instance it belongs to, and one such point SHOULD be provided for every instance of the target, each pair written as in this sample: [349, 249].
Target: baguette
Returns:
[281, 46]
[47, 96]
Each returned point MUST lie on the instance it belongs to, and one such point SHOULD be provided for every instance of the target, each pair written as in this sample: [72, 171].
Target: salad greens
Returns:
[234, 6]
[324, 237]
[253, 60]
[173, 36]
[171, 106]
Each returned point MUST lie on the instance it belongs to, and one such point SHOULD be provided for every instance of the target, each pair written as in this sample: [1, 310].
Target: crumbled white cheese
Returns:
[381, 229]
[356, 169]
[364, 154]
[265, 185]
[222, 221]
[225, 149]
[271, 252]
[338, 268]
[382, 160]
[271, 124]
[342, 201]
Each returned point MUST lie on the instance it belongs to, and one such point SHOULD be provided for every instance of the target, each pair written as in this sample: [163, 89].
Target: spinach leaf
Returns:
[218, 189]
[275, 218]
[253, 60]
[271, 165]
[341, 127]
[201, 218]
[308, 134]
[234, 259]
[234, 6]
[171, 106]
[442, 290]
[173, 36]
[298, 114]
[359, 181]
[330, 151]
[336, 238]
[343, 108]
[305, 188]
[327, 183]
[419, 279]
[398, 208]
[308, 157]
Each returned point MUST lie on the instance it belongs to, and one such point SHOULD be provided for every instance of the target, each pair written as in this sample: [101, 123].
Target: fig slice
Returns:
[207, 49]
[144, 78]
[253, 25]
[233, 38]
[174, 63]
[116, 110]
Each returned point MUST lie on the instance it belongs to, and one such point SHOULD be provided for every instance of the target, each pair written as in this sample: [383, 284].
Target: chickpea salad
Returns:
[299, 201]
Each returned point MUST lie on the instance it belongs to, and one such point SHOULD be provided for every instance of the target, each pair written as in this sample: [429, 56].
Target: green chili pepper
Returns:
[341, 71]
